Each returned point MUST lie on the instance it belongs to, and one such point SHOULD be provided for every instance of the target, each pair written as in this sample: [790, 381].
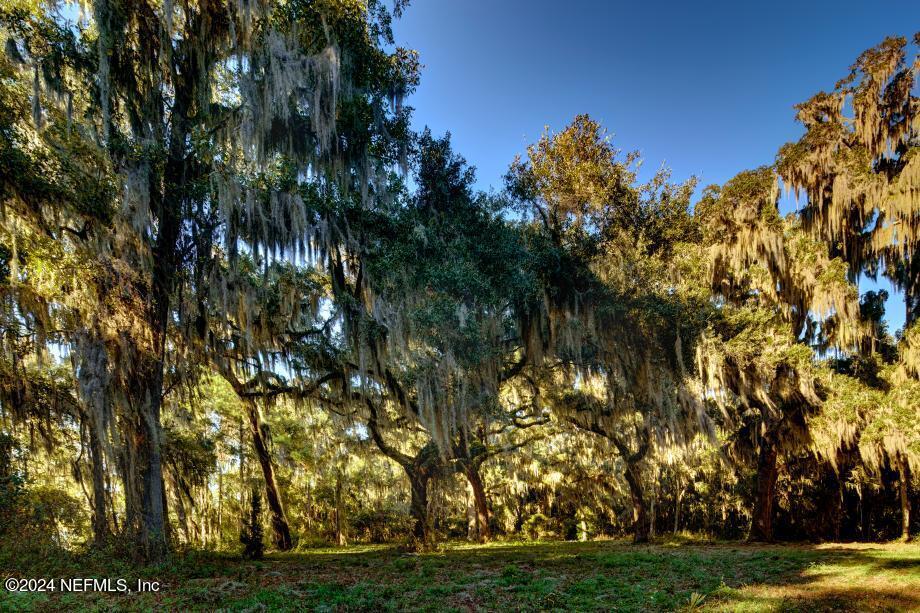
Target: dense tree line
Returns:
[234, 284]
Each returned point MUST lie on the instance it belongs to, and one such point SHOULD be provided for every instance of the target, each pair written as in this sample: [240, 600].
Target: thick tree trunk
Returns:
[904, 478]
[280, 528]
[100, 519]
[640, 515]
[145, 495]
[472, 530]
[481, 503]
[142, 469]
[156, 117]
[419, 470]
[418, 506]
[142, 378]
[762, 523]
[145, 508]
[91, 364]
[340, 536]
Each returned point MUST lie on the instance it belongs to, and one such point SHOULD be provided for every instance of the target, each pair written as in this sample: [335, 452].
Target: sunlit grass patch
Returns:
[866, 577]
[514, 576]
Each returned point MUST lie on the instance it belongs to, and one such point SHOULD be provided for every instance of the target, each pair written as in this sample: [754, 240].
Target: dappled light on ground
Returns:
[607, 575]
[846, 577]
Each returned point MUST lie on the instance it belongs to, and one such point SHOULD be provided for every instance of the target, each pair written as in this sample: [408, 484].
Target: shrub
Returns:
[380, 526]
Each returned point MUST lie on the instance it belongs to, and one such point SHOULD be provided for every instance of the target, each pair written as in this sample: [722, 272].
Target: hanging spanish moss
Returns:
[861, 173]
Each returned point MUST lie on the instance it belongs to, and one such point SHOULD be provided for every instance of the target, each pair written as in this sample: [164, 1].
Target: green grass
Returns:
[508, 577]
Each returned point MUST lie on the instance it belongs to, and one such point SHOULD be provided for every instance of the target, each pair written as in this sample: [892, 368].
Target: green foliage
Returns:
[380, 526]
[216, 275]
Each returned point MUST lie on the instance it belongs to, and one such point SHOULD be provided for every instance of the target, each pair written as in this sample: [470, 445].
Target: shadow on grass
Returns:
[538, 576]
[661, 576]
[852, 599]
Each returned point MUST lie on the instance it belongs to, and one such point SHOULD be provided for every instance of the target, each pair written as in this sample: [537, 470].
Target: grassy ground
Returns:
[509, 577]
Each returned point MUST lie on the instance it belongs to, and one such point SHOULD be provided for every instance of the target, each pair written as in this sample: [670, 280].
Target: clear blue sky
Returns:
[706, 88]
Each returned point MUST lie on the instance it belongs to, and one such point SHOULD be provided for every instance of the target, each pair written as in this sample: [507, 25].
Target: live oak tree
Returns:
[870, 415]
[859, 168]
[191, 102]
[610, 313]
[860, 172]
[780, 290]
[55, 184]
[432, 327]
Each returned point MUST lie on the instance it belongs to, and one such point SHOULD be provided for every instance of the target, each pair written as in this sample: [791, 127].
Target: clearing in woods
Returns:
[606, 575]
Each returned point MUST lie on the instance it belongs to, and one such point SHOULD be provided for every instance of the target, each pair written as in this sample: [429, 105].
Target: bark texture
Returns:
[767, 472]
[281, 531]
[904, 485]
[480, 502]
[640, 513]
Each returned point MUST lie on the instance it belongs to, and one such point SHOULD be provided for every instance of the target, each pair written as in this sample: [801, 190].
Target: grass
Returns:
[609, 575]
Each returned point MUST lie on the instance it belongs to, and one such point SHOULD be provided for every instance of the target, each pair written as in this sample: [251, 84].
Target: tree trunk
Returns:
[904, 478]
[142, 469]
[481, 503]
[280, 528]
[677, 500]
[640, 515]
[142, 379]
[839, 508]
[340, 537]
[419, 470]
[762, 523]
[418, 507]
[651, 522]
[242, 473]
[91, 365]
[472, 532]
[111, 504]
[181, 512]
[220, 503]
[100, 519]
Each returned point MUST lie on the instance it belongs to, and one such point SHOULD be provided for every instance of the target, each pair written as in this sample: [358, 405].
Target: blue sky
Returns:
[706, 88]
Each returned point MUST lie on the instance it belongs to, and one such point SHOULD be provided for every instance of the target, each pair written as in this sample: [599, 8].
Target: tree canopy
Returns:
[233, 282]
